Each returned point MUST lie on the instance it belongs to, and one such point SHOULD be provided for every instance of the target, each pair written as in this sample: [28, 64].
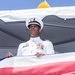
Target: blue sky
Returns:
[31, 4]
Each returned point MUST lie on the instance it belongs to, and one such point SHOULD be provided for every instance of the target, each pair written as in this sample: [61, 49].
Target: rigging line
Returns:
[60, 26]
[62, 42]
[9, 33]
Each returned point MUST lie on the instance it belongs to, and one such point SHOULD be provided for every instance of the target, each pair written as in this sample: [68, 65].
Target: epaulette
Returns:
[47, 40]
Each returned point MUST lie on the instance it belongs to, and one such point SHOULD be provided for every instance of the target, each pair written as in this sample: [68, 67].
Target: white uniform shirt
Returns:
[35, 45]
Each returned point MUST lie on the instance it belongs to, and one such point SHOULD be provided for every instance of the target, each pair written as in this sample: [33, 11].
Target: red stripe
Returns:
[45, 69]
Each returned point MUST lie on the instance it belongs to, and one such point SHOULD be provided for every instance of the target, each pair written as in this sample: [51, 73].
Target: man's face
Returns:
[34, 30]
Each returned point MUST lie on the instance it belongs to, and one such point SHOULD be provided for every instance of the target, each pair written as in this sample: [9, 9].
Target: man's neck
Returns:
[36, 40]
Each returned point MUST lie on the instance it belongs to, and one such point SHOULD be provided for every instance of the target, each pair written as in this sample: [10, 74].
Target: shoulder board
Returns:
[47, 40]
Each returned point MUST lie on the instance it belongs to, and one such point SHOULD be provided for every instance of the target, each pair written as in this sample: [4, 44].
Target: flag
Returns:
[56, 64]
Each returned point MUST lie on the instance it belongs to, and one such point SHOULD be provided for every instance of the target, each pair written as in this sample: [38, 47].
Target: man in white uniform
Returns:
[35, 46]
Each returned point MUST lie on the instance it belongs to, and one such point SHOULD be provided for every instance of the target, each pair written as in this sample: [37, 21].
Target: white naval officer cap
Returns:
[35, 21]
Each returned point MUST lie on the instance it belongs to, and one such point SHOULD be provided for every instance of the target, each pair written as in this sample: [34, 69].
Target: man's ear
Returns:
[39, 30]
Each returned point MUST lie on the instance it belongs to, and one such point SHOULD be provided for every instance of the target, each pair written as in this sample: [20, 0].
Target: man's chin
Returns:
[33, 36]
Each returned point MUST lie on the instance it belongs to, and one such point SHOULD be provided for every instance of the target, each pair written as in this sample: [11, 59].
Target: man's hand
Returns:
[7, 55]
[39, 54]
